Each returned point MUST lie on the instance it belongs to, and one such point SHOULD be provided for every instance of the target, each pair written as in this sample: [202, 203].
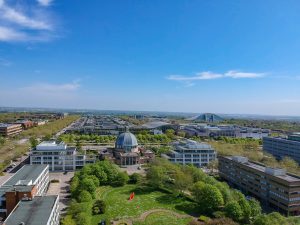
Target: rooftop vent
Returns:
[240, 159]
[275, 171]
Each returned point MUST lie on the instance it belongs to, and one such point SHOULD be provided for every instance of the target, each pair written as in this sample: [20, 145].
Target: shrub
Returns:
[135, 178]
[99, 207]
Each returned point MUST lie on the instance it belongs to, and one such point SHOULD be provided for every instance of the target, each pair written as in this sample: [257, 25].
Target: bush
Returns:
[233, 210]
[121, 179]
[135, 178]
[99, 207]
[219, 214]
[84, 196]
[204, 218]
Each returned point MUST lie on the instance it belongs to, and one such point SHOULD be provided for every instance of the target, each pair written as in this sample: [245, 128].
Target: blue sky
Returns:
[186, 56]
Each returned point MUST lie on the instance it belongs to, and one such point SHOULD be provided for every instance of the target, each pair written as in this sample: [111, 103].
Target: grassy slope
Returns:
[118, 205]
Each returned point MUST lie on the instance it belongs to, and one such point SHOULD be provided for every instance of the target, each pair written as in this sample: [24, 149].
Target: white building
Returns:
[30, 180]
[42, 210]
[191, 152]
[59, 156]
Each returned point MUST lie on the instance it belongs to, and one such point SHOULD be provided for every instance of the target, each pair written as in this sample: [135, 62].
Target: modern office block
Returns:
[191, 152]
[59, 156]
[283, 147]
[273, 186]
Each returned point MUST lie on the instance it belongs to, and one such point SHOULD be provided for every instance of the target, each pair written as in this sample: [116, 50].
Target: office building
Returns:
[29, 181]
[191, 152]
[42, 210]
[282, 147]
[274, 187]
[59, 156]
[10, 129]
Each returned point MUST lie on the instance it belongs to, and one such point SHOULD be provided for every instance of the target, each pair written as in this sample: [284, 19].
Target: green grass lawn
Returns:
[118, 205]
[163, 218]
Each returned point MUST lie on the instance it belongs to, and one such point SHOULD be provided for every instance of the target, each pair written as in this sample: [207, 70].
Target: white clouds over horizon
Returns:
[208, 75]
[26, 22]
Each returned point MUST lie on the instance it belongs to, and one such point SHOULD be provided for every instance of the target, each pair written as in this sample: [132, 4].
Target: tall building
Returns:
[282, 147]
[42, 210]
[191, 152]
[29, 181]
[59, 156]
[10, 129]
[273, 186]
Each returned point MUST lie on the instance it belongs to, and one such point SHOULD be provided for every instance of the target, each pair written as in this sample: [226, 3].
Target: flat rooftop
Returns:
[26, 173]
[32, 212]
[256, 166]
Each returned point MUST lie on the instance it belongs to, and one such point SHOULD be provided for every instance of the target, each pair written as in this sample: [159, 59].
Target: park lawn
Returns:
[163, 218]
[118, 206]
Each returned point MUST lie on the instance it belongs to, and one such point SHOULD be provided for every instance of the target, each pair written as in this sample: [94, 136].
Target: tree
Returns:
[233, 210]
[271, 219]
[170, 133]
[246, 209]
[255, 208]
[156, 176]
[182, 181]
[33, 142]
[99, 207]
[121, 179]
[289, 163]
[99, 172]
[88, 184]
[207, 196]
[68, 220]
[74, 185]
[83, 218]
[135, 178]
[84, 196]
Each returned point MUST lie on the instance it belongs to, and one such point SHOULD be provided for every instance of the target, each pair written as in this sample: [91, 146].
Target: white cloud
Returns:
[237, 74]
[21, 22]
[53, 88]
[208, 75]
[44, 2]
[199, 76]
[8, 34]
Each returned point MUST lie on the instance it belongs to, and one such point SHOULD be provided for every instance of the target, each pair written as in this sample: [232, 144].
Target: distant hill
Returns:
[208, 118]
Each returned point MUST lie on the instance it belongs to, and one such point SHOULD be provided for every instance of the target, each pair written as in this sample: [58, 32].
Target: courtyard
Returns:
[148, 206]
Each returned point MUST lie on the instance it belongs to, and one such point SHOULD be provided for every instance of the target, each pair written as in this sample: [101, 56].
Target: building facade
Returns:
[10, 129]
[59, 156]
[29, 181]
[274, 187]
[191, 152]
[42, 210]
[282, 147]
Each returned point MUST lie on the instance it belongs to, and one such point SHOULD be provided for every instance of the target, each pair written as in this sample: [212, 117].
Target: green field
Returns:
[119, 207]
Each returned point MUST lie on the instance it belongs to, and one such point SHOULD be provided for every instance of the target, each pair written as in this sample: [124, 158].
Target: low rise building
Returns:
[281, 147]
[273, 186]
[191, 152]
[10, 129]
[42, 210]
[26, 124]
[29, 181]
[59, 156]
[127, 151]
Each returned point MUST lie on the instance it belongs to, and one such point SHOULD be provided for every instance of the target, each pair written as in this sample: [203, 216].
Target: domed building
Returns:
[127, 151]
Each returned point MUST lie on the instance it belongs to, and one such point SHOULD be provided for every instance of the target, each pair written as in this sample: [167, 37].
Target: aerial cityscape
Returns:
[129, 112]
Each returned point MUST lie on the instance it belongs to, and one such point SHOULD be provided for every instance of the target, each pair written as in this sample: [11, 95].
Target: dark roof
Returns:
[32, 212]
[26, 173]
